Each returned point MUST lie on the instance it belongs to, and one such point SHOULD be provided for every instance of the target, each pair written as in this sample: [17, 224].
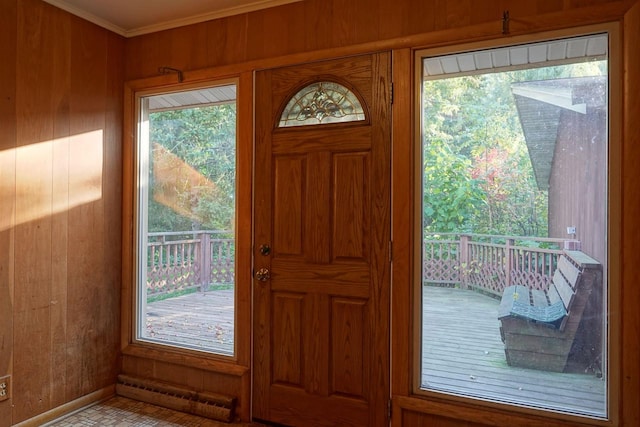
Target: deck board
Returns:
[463, 354]
[202, 321]
[462, 350]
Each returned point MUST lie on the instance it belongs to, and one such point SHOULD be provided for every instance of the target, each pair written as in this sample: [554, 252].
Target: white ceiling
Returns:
[134, 17]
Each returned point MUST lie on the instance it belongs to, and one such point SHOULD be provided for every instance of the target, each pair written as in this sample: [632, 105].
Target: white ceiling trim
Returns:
[167, 25]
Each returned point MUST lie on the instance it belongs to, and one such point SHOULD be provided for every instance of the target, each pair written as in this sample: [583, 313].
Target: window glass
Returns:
[514, 223]
[322, 102]
[186, 211]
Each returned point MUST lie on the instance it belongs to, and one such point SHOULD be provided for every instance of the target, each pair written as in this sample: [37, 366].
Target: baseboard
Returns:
[69, 408]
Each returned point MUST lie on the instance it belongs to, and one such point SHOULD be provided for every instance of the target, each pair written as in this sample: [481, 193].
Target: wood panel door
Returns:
[322, 206]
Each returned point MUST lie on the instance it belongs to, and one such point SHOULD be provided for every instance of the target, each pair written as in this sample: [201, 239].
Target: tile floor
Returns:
[122, 412]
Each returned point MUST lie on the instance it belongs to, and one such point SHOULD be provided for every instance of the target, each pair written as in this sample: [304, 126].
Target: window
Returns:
[514, 225]
[186, 205]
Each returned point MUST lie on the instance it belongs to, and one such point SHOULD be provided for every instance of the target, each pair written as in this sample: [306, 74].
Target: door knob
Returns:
[263, 274]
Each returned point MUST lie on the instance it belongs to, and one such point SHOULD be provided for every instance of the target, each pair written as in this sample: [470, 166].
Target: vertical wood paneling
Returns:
[61, 69]
[112, 194]
[34, 156]
[42, 81]
[90, 327]
[8, 23]
[227, 39]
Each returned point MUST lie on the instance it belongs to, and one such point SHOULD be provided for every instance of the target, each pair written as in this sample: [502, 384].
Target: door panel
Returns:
[321, 319]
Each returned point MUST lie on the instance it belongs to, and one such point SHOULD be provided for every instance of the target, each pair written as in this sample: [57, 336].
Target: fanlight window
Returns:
[320, 103]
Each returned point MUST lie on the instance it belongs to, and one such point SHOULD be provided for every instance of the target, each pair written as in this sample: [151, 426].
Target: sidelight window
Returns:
[513, 260]
[186, 172]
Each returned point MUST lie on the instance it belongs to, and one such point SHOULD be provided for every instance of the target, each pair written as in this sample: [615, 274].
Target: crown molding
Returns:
[167, 25]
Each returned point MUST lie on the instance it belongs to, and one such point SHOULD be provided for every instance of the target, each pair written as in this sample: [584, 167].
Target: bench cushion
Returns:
[516, 302]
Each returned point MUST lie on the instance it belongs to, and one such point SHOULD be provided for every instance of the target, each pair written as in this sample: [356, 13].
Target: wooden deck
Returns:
[201, 321]
[462, 350]
[462, 354]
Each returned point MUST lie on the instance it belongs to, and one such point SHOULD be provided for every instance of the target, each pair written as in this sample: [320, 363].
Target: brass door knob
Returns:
[263, 274]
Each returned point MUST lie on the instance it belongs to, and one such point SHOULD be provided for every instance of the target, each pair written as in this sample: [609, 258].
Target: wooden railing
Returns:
[179, 261]
[491, 263]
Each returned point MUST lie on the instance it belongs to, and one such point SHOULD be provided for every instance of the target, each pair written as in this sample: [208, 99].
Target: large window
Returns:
[186, 159]
[514, 225]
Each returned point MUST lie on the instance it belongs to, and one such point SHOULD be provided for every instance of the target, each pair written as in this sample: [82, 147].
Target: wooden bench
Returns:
[539, 327]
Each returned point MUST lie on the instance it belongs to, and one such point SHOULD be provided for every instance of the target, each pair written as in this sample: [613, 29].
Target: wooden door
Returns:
[322, 206]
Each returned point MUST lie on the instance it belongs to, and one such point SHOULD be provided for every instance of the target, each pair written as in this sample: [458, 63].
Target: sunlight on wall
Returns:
[72, 165]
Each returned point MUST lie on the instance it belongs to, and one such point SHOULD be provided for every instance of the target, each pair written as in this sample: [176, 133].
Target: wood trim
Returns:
[181, 358]
[402, 220]
[70, 407]
[244, 182]
[128, 237]
[239, 364]
[461, 414]
[628, 256]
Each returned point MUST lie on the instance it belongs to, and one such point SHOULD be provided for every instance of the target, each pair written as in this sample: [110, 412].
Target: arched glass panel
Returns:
[322, 102]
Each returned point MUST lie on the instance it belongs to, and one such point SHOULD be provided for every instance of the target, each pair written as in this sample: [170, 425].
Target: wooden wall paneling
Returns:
[112, 177]
[60, 69]
[227, 40]
[276, 31]
[355, 22]
[93, 308]
[317, 21]
[183, 50]
[33, 228]
[296, 29]
[630, 366]
[8, 23]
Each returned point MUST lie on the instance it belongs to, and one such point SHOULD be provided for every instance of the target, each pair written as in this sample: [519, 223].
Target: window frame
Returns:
[612, 299]
[140, 214]
[231, 366]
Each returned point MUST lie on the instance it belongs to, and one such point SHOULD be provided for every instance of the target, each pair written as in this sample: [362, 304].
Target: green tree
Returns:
[205, 139]
[451, 195]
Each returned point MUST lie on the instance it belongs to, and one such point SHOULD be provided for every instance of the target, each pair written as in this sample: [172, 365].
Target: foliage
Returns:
[477, 173]
[450, 193]
[204, 140]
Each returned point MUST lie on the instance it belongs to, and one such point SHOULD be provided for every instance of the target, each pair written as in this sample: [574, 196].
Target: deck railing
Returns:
[491, 263]
[179, 261]
[184, 260]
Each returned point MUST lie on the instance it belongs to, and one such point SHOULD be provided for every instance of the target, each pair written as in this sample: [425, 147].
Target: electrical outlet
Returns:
[5, 387]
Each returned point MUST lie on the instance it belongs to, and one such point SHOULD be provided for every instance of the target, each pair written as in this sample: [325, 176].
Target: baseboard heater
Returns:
[210, 405]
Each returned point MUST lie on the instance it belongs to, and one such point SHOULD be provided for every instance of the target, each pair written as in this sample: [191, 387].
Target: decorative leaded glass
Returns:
[322, 102]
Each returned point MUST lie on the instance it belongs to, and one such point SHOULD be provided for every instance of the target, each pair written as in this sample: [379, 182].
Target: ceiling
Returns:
[135, 17]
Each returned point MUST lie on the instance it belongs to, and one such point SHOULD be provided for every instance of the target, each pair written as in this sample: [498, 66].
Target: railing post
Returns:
[508, 261]
[463, 262]
[205, 261]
